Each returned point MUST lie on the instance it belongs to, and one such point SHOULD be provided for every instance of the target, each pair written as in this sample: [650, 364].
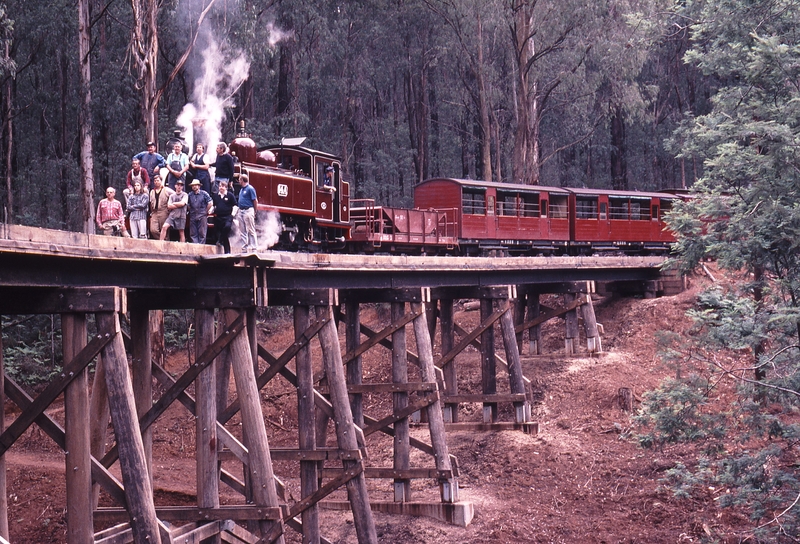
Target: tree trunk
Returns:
[144, 50]
[9, 140]
[619, 167]
[85, 116]
[483, 100]
[526, 138]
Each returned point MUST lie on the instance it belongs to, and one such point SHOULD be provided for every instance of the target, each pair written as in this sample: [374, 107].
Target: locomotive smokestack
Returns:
[242, 131]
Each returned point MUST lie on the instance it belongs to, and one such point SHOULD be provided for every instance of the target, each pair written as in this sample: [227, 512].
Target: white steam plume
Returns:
[217, 78]
[268, 229]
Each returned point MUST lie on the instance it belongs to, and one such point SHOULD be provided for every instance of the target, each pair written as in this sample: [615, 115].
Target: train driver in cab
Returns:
[327, 182]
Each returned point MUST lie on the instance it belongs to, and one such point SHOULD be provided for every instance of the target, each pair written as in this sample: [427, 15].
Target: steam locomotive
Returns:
[450, 216]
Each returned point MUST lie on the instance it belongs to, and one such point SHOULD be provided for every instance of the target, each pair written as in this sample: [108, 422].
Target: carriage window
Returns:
[666, 207]
[603, 211]
[530, 205]
[618, 208]
[506, 204]
[544, 208]
[558, 206]
[640, 210]
[586, 207]
[474, 202]
[654, 215]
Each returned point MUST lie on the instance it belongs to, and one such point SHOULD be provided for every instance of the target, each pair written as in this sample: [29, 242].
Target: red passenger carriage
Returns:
[619, 220]
[500, 216]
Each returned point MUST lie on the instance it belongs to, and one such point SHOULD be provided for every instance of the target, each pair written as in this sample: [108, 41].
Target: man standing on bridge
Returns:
[177, 212]
[110, 217]
[150, 160]
[248, 203]
[199, 206]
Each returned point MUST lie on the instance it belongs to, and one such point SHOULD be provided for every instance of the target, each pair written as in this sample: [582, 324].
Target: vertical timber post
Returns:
[571, 337]
[488, 363]
[80, 525]
[593, 341]
[253, 429]
[449, 370]
[354, 372]
[402, 450]
[133, 464]
[99, 416]
[307, 438]
[3, 494]
[519, 315]
[345, 427]
[448, 488]
[142, 376]
[206, 422]
[522, 410]
[534, 333]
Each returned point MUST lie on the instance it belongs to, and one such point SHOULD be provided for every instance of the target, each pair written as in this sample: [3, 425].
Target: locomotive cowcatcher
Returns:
[290, 180]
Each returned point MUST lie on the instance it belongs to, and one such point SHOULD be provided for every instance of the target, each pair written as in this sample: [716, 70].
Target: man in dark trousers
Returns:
[224, 205]
[198, 207]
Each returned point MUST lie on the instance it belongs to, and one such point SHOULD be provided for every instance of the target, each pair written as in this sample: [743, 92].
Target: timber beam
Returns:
[585, 287]
[406, 294]
[58, 300]
[475, 292]
[198, 299]
[304, 297]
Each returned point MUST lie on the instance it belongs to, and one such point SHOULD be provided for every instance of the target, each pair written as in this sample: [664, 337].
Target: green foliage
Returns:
[28, 354]
[675, 412]
[683, 482]
[178, 328]
[745, 214]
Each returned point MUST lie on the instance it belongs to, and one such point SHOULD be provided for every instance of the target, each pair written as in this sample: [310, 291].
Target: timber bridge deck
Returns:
[74, 275]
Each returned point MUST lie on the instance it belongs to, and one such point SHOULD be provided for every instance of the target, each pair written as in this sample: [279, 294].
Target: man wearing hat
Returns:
[327, 182]
[150, 160]
[199, 207]
[177, 212]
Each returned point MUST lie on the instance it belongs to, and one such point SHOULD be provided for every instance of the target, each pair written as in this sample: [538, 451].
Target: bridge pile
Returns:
[76, 276]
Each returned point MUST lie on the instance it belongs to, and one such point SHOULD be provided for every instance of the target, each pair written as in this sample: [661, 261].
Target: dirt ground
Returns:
[576, 481]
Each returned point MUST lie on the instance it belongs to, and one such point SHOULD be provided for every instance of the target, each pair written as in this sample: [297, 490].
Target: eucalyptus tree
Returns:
[549, 47]
[473, 28]
[85, 116]
[7, 71]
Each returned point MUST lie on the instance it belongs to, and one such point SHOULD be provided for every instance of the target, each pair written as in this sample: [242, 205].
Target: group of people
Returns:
[169, 207]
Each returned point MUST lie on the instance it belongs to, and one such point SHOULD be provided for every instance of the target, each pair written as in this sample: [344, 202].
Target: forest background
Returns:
[628, 94]
[566, 93]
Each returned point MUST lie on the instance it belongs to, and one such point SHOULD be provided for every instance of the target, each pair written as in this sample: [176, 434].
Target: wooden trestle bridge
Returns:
[74, 275]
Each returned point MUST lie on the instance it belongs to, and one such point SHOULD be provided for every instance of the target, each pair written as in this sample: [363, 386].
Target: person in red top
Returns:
[110, 217]
[136, 173]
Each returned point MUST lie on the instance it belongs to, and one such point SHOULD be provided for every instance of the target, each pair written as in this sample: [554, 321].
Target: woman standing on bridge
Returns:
[138, 203]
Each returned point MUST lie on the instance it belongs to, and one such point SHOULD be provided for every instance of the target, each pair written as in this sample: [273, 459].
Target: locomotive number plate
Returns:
[283, 189]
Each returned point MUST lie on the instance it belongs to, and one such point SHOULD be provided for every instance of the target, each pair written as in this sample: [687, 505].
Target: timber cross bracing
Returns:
[77, 276]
